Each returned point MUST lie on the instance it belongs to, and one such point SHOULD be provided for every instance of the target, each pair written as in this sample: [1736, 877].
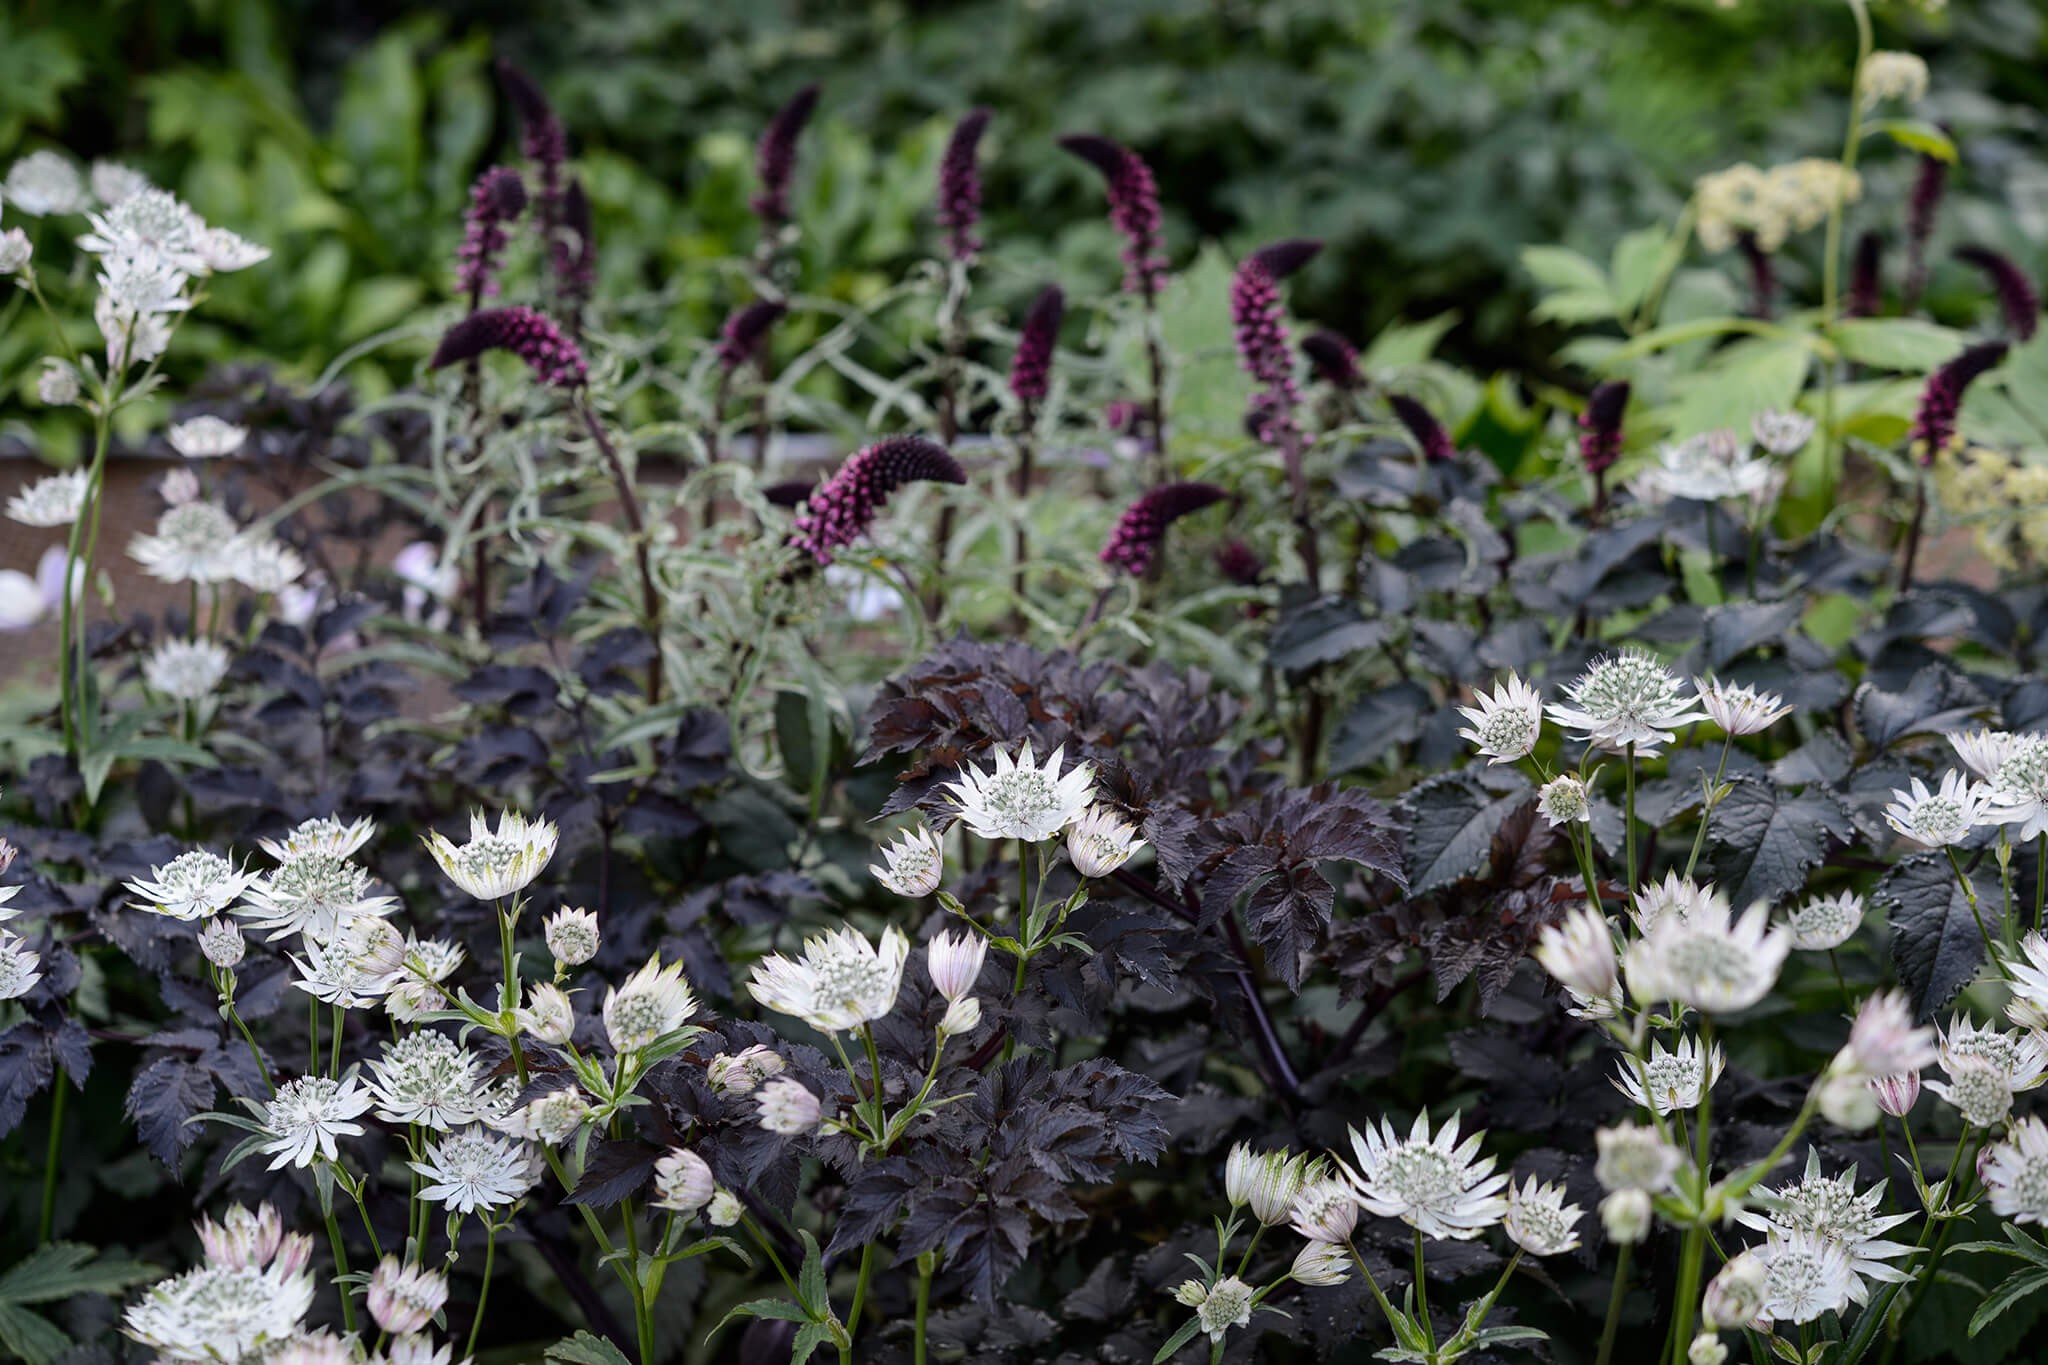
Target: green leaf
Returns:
[1918, 136]
[1560, 268]
[809, 1338]
[585, 1349]
[1406, 343]
[1209, 390]
[1178, 1340]
[29, 1338]
[810, 1281]
[1634, 265]
[1753, 375]
[2016, 1287]
[61, 1269]
[1896, 343]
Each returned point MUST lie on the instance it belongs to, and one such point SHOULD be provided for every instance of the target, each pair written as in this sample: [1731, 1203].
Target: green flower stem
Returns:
[1246, 1259]
[1693, 1254]
[1878, 1312]
[313, 1030]
[483, 1295]
[1422, 1299]
[334, 1047]
[59, 1097]
[1615, 1298]
[334, 1244]
[255, 1054]
[643, 1310]
[1629, 822]
[860, 1295]
[2040, 881]
[355, 1192]
[1707, 803]
[768, 1249]
[927, 1262]
[1378, 1294]
[1970, 895]
[2005, 930]
[867, 1038]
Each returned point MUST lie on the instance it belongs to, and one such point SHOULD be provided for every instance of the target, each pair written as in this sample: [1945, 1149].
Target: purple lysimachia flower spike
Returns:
[1429, 433]
[1934, 425]
[843, 508]
[1922, 208]
[1335, 360]
[960, 186]
[1031, 366]
[574, 253]
[1763, 275]
[1133, 208]
[1866, 277]
[2018, 301]
[554, 359]
[1261, 325]
[1600, 426]
[1136, 540]
[498, 197]
[745, 329]
[1240, 563]
[775, 156]
[542, 138]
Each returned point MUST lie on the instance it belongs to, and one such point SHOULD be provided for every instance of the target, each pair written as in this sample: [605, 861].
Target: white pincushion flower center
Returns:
[1422, 1176]
[1023, 794]
[1508, 729]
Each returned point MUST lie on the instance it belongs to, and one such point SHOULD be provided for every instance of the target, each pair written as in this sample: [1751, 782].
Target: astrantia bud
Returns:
[1579, 952]
[2018, 301]
[1848, 1102]
[530, 335]
[1563, 800]
[1031, 365]
[404, 1298]
[1100, 842]
[1142, 528]
[1706, 1349]
[724, 1209]
[960, 185]
[243, 1237]
[220, 939]
[1735, 1296]
[1625, 1215]
[845, 505]
[775, 156]
[737, 1073]
[178, 487]
[746, 331]
[786, 1107]
[57, 386]
[552, 1119]
[955, 963]
[683, 1182]
[1896, 1095]
[1934, 424]
[1267, 1181]
[15, 252]
[1632, 1157]
[1190, 1293]
[571, 936]
[1600, 426]
[1325, 1211]
[1319, 1263]
[1429, 434]
[962, 1016]
[548, 1015]
[913, 864]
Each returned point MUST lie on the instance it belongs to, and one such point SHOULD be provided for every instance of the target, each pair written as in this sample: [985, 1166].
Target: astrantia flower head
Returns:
[1325, 1210]
[739, 1073]
[475, 1169]
[1676, 898]
[220, 1313]
[1101, 841]
[1626, 699]
[404, 1298]
[913, 864]
[1506, 724]
[355, 967]
[1980, 1090]
[960, 185]
[554, 359]
[191, 886]
[193, 543]
[1430, 1182]
[303, 1119]
[20, 967]
[1563, 800]
[839, 982]
[1825, 922]
[264, 564]
[1141, 530]
[1740, 710]
[786, 1107]
[206, 437]
[496, 863]
[775, 156]
[1677, 1079]
[840, 511]
[2019, 789]
[1884, 1040]
[426, 1078]
[1579, 952]
[1019, 799]
[1266, 1181]
[552, 1119]
[1710, 962]
[1896, 1095]
[417, 992]
[2022, 1058]
[53, 501]
[572, 936]
[221, 941]
[1632, 1157]
[324, 834]
[1805, 1277]
[1984, 752]
[2015, 1172]
[2019, 303]
[1831, 1210]
[1735, 1296]
[45, 182]
[1942, 817]
[651, 1004]
[186, 670]
[1539, 1221]
[1600, 426]
[1133, 209]
[16, 251]
[682, 1181]
[1228, 1304]
[2028, 974]
[57, 386]
[955, 963]
[223, 252]
[1781, 433]
[316, 894]
[548, 1014]
[1031, 363]
[251, 1239]
[1934, 423]
[1625, 1216]
[1710, 467]
[149, 223]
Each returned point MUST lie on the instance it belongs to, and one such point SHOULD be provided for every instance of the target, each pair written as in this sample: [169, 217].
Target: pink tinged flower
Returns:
[1031, 366]
[746, 331]
[1934, 424]
[2019, 303]
[775, 156]
[960, 185]
[554, 359]
[1133, 208]
[498, 197]
[1135, 541]
[841, 510]
[1896, 1095]
[1334, 360]
[1600, 426]
[1429, 433]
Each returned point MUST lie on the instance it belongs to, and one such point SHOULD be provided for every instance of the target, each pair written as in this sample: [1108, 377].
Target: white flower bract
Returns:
[1101, 841]
[186, 670]
[498, 863]
[1825, 922]
[2015, 1172]
[571, 935]
[1831, 1210]
[913, 864]
[1708, 961]
[787, 1107]
[1627, 699]
[193, 543]
[428, 1079]
[474, 1169]
[1940, 818]
[1678, 1078]
[52, 501]
[1539, 1221]
[1507, 723]
[1018, 799]
[1740, 710]
[194, 885]
[1429, 1181]
[303, 1119]
[651, 1004]
[220, 1313]
[206, 437]
[839, 982]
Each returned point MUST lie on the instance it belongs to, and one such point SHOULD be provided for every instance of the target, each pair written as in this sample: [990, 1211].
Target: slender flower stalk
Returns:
[742, 340]
[1934, 431]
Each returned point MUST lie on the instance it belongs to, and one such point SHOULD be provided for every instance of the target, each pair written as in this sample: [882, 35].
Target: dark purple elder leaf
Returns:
[500, 757]
[523, 690]
[1767, 840]
[1936, 699]
[868, 1209]
[1936, 945]
[1452, 819]
[615, 662]
[164, 1096]
[613, 1172]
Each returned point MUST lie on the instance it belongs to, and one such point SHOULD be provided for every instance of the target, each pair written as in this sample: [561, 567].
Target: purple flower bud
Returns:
[788, 493]
[1142, 527]
[1922, 208]
[1240, 563]
[497, 198]
[1261, 325]
[1429, 433]
[1866, 277]
[1600, 426]
[1133, 208]
[775, 156]
[1763, 276]
[842, 509]
[1335, 360]
[574, 249]
[745, 331]
[960, 186]
[2017, 298]
[543, 139]
[1934, 425]
[554, 358]
[1031, 366]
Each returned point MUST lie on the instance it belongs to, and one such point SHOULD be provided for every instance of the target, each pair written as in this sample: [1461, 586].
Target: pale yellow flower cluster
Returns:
[1770, 204]
[2000, 498]
[1897, 76]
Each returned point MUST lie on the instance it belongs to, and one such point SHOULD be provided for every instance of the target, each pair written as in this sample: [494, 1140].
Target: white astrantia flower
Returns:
[1430, 1182]
[1507, 723]
[787, 1107]
[1325, 1210]
[955, 962]
[474, 1168]
[1980, 1091]
[16, 251]
[2019, 791]
[962, 1016]
[2015, 1172]
[1678, 1078]
[1805, 1277]
[552, 1119]
[206, 437]
[1319, 1263]
[1625, 1216]
[1632, 1157]
[245, 1237]
[323, 834]
[1710, 467]
[1734, 1298]
[333, 972]
[426, 1078]
[1539, 1221]
[498, 863]
[548, 1015]
[682, 1181]
[1884, 75]
[1101, 841]
[220, 1314]
[316, 894]
[186, 670]
[1579, 952]
[1228, 1304]
[224, 252]
[150, 223]
[418, 1349]
[1018, 799]
[1627, 699]
[20, 966]
[724, 1210]
[178, 487]
[52, 501]
[1740, 710]
[1983, 752]
[221, 941]
[1896, 1095]
[1884, 1040]
[134, 288]
[417, 992]
[1267, 1181]
[2027, 974]
[1782, 433]
[194, 885]
[193, 543]
[1940, 818]
[571, 934]
[1825, 922]
[22, 603]
[841, 980]
[651, 1004]
[1847, 1101]
[57, 386]
[1830, 1209]
[1563, 800]
[913, 864]
[43, 183]
[738, 1073]
[303, 1119]
[1711, 962]
[112, 182]
[2022, 1058]
[1676, 899]
[404, 1298]
[265, 565]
